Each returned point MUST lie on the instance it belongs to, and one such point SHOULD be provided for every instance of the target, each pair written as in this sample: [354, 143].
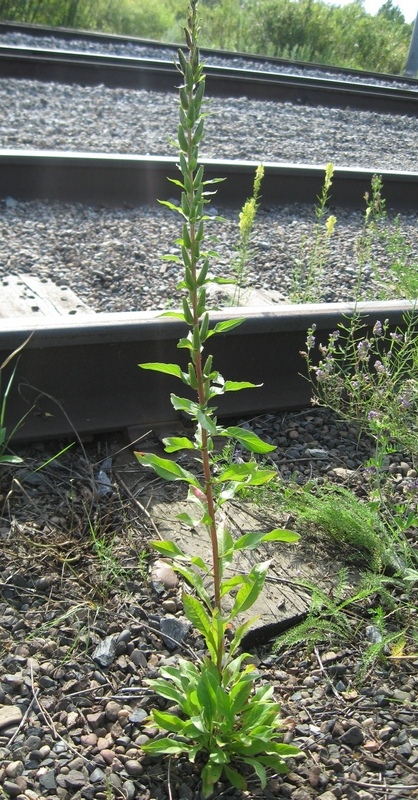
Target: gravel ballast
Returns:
[112, 258]
[100, 119]
[169, 53]
[77, 644]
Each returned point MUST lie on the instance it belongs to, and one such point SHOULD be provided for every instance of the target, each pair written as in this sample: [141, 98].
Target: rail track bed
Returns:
[41, 37]
[87, 180]
[117, 71]
[78, 640]
[73, 361]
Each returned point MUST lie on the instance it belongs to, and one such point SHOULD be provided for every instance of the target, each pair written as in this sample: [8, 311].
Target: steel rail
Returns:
[118, 180]
[100, 38]
[118, 71]
[80, 375]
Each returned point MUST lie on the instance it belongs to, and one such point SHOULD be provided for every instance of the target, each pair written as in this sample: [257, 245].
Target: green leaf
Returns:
[168, 722]
[240, 694]
[231, 583]
[247, 595]
[188, 519]
[210, 775]
[183, 404]
[174, 443]
[9, 459]
[176, 260]
[175, 314]
[198, 562]
[206, 693]
[176, 183]
[165, 746]
[204, 419]
[274, 762]
[240, 632]
[235, 778]
[248, 439]
[198, 616]
[225, 543]
[168, 369]
[167, 469]
[166, 689]
[236, 386]
[248, 472]
[258, 769]
[221, 281]
[196, 581]
[228, 325]
[167, 548]
[172, 207]
[251, 540]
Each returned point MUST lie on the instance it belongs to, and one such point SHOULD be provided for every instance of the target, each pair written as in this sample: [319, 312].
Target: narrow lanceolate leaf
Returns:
[247, 473]
[166, 746]
[236, 386]
[235, 778]
[174, 443]
[198, 616]
[206, 422]
[196, 581]
[225, 543]
[248, 439]
[167, 469]
[171, 206]
[169, 549]
[228, 324]
[191, 522]
[251, 540]
[182, 404]
[258, 769]
[168, 722]
[247, 594]
[168, 369]
[175, 314]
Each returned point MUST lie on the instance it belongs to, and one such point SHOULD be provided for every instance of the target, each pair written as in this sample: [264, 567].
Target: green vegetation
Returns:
[308, 273]
[244, 249]
[306, 30]
[227, 722]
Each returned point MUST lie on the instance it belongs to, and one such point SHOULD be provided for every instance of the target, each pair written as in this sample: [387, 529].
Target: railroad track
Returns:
[79, 373]
[156, 75]
[108, 40]
[120, 179]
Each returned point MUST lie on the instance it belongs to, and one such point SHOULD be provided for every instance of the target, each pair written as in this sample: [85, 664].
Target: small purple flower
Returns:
[373, 415]
[380, 368]
[378, 329]
[397, 337]
[369, 471]
[310, 341]
[320, 375]
[405, 402]
[363, 348]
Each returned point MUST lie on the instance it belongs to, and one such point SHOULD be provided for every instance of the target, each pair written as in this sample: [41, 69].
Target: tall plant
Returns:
[225, 719]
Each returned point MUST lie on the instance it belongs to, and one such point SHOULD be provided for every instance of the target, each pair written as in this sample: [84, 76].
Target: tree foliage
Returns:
[305, 30]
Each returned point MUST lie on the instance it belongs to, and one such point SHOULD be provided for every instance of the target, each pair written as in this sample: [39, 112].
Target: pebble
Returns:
[105, 651]
[174, 630]
[10, 715]
[134, 768]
